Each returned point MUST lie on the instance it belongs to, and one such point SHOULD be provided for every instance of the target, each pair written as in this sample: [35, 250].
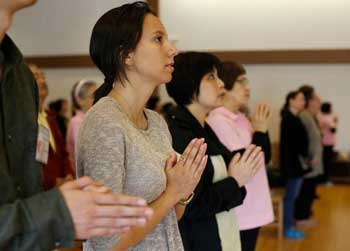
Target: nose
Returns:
[172, 50]
[221, 83]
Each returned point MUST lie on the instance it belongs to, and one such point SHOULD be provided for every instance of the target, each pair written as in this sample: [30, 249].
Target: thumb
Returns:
[171, 161]
[235, 159]
[78, 184]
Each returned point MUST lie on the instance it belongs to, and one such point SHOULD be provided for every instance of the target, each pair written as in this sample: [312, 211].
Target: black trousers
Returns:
[249, 239]
[328, 155]
[305, 199]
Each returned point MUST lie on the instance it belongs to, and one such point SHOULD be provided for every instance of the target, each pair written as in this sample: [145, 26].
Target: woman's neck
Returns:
[133, 99]
[230, 104]
[199, 112]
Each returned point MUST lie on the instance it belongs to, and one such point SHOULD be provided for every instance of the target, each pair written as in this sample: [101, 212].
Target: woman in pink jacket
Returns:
[236, 131]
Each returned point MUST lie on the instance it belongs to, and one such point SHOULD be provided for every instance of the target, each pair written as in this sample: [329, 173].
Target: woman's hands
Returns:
[184, 174]
[261, 118]
[242, 169]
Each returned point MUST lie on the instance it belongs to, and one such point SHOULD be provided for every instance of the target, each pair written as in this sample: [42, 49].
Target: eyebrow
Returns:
[159, 32]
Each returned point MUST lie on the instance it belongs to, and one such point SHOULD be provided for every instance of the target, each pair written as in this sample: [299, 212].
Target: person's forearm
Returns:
[26, 217]
[263, 140]
[180, 210]
[161, 208]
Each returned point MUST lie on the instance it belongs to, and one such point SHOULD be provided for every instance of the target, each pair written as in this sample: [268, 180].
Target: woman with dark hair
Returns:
[209, 222]
[303, 205]
[82, 99]
[293, 156]
[127, 147]
[236, 131]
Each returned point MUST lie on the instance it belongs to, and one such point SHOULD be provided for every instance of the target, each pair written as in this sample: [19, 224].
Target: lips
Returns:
[170, 66]
[221, 95]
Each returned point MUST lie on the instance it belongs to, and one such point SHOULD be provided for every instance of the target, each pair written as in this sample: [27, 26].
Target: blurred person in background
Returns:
[328, 122]
[82, 95]
[307, 195]
[57, 168]
[293, 151]
[235, 130]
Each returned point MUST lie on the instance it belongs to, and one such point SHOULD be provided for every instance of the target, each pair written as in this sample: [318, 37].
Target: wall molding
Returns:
[326, 56]
[320, 56]
[63, 61]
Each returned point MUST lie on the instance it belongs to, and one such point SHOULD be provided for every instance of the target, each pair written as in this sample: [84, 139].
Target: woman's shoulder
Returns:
[305, 115]
[102, 116]
[154, 117]
[158, 124]
[104, 110]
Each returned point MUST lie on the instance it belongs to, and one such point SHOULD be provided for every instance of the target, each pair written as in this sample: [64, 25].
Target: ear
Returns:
[195, 98]
[129, 60]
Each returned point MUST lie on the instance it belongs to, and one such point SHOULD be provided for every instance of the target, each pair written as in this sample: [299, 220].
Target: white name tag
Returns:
[42, 145]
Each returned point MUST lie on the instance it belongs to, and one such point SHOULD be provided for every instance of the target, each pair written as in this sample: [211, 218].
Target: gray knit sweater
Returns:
[128, 160]
[315, 142]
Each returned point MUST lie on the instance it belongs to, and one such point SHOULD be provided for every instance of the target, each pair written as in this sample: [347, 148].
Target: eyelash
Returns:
[158, 39]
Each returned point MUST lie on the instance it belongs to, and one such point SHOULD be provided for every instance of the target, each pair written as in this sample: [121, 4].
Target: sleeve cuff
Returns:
[237, 194]
[50, 214]
[260, 135]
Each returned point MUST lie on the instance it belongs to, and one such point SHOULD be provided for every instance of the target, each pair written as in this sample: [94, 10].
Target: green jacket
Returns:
[30, 219]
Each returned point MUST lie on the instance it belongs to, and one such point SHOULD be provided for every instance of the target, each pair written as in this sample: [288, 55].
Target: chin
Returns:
[245, 102]
[166, 79]
[218, 104]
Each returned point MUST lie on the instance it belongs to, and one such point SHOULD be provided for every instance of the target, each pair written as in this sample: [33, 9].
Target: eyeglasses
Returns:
[244, 81]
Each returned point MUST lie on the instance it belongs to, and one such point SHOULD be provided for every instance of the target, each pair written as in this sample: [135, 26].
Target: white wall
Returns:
[257, 24]
[63, 27]
[61, 81]
[56, 27]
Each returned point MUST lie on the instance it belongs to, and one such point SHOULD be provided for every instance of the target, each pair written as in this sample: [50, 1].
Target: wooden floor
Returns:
[332, 233]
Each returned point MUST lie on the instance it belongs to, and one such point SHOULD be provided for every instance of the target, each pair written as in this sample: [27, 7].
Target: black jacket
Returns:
[29, 218]
[198, 227]
[293, 146]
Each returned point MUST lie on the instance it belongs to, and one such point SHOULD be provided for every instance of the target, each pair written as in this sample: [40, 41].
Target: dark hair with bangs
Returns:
[291, 95]
[190, 68]
[229, 73]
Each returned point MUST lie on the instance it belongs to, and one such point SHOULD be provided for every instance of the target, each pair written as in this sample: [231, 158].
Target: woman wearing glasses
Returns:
[236, 131]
